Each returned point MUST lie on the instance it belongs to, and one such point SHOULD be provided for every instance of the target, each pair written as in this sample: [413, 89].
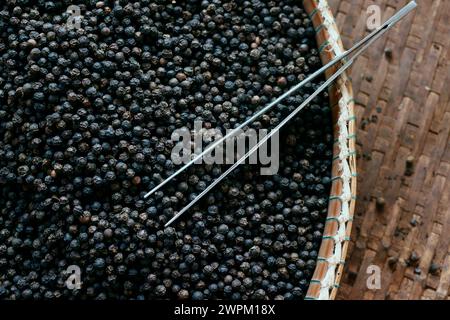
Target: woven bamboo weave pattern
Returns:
[402, 105]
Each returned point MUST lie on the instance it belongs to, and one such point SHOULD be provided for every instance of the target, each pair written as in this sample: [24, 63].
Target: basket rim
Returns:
[333, 248]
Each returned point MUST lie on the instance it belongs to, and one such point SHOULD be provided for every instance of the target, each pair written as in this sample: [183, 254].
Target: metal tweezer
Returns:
[358, 48]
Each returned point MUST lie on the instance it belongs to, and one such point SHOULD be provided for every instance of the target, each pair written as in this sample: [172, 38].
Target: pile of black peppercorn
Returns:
[86, 117]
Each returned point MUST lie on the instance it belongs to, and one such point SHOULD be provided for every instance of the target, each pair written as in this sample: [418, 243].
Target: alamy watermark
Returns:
[73, 282]
[74, 20]
[373, 13]
[190, 144]
[373, 281]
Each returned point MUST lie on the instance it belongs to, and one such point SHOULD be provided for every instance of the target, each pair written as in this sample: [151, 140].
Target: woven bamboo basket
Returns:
[330, 262]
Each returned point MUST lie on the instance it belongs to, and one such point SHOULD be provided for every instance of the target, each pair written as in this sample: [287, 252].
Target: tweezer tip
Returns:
[168, 223]
[148, 194]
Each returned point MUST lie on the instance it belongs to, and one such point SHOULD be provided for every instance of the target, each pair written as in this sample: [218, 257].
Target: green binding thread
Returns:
[350, 137]
[351, 153]
[323, 46]
[320, 27]
[337, 219]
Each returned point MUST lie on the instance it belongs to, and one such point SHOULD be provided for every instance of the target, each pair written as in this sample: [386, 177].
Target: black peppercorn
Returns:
[86, 121]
